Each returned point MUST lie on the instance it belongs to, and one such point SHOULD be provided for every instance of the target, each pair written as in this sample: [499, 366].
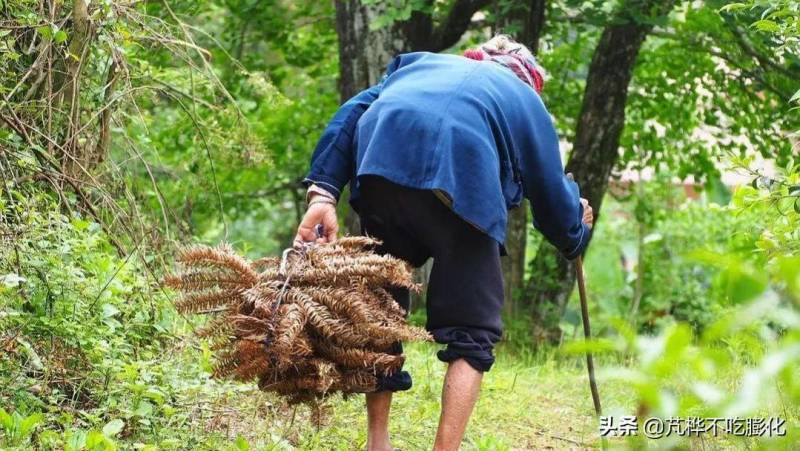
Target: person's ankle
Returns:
[379, 444]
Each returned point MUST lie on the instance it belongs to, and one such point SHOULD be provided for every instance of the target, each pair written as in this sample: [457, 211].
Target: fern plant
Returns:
[317, 321]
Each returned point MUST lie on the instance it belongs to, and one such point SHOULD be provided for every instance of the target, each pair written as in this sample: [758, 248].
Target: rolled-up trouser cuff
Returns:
[473, 345]
[399, 380]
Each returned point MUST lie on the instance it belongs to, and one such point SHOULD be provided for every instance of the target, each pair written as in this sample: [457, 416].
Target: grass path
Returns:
[539, 405]
[521, 407]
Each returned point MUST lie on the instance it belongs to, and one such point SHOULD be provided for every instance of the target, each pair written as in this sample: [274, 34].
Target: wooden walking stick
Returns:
[587, 332]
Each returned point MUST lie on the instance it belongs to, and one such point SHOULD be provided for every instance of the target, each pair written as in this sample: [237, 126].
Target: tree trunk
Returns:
[73, 160]
[364, 54]
[529, 18]
[514, 262]
[533, 24]
[596, 146]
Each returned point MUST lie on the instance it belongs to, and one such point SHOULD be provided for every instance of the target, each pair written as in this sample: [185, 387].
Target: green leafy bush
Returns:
[643, 265]
[755, 337]
[73, 311]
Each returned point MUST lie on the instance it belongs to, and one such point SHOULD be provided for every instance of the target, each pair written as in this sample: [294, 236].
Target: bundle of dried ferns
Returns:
[317, 321]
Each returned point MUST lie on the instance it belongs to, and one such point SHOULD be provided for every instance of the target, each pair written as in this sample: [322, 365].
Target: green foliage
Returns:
[757, 328]
[73, 314]
[708, 88]
[235, 172]
[777, 17]
[18, 429]
[645, 268]
[398, 10]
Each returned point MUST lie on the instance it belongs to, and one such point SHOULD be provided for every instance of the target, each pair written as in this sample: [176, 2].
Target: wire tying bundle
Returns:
[318, 320]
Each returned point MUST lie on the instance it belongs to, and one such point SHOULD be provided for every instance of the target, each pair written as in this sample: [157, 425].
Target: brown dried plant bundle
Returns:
[318, 320]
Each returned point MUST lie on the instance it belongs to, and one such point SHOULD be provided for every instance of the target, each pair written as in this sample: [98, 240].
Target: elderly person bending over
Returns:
[436, 154]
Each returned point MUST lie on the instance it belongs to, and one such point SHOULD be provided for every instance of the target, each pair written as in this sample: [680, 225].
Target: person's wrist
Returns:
[316, 191]
[320, 199]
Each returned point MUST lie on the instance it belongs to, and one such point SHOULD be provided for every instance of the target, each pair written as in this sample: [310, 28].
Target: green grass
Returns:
[531, 400]
[528, 404]
[525, 407]
[521, 407]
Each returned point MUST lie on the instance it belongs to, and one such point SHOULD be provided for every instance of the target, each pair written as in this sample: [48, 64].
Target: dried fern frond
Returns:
[220, 344]
[225, 364]
[253, 369]
[271, 275]
[361, 358]
[196, 302]
[218, 325]
[263, 298]
[318, 322]
[327, 374]
[250, 328]
[345, 302]
[325, 323]
[388, 302]
[287, 331]
[222, 258]
[204, 279]
[361, 381]
[356, 243]
[347, 275]
[249, 354]
[266, 263]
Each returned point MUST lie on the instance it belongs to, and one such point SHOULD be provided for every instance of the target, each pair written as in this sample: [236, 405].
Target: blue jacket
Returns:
[470, 129]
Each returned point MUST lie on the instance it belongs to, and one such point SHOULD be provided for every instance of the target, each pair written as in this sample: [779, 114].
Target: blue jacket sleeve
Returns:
[555, 200]
[332, 160]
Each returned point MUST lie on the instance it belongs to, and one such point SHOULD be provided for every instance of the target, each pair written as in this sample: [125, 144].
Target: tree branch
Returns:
[700, 46]
[104, 140]
[762, 59]
[292, 185]
[449, 32]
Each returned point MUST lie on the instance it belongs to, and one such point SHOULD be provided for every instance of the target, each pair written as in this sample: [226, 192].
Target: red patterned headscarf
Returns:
[525, 68]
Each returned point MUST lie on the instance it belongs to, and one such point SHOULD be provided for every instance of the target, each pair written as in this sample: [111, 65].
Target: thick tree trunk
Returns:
[364, 54]
[532, 24]
[514, 262]
[528, 17]
[596, 146]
